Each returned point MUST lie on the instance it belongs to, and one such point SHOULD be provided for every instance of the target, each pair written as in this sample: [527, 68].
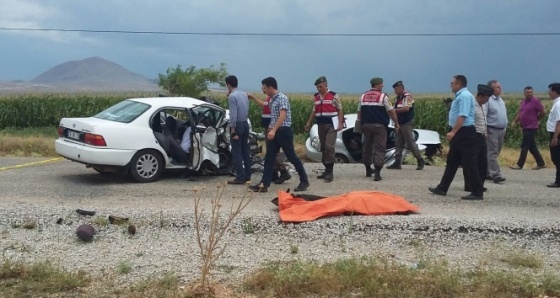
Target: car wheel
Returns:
[146, 166]
[339, 158]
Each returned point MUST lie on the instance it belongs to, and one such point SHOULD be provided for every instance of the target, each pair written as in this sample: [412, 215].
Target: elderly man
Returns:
[496, 124]
[482, 95]
[404, 107]
[327, 112]
[374, 111]
[531, 110]
[463, 141]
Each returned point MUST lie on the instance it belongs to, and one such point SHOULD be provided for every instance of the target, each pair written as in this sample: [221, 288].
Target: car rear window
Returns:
[125, 111]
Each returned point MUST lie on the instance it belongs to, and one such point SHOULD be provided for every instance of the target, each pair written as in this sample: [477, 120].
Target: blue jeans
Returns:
[284, 138]
[240, 152]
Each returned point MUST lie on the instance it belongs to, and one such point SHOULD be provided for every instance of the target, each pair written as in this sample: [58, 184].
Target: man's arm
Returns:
[393, 116]
[458, 124]
[232, 103]
[256, 100]
[310, 120]
[554, 141]
[516, 119]
[277, 125]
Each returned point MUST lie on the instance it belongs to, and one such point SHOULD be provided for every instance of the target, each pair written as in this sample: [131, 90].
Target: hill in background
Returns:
[93, 74]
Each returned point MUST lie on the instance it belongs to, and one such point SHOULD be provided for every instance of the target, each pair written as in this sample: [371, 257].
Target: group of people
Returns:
[477, 130]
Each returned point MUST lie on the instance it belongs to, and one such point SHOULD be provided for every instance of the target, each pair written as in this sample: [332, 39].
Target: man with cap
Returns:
[327, 112]
[463, 141]
[404, 107]
[374, 111]
[483, 94]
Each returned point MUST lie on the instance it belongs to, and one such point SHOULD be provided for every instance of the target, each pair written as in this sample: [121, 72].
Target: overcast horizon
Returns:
[425, 63]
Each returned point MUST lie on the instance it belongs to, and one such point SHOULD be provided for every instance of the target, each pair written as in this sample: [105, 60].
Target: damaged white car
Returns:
[141, 137]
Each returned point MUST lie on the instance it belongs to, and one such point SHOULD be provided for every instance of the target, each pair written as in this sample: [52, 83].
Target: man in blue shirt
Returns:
[238, 103]
[280, 135]
[463, 141]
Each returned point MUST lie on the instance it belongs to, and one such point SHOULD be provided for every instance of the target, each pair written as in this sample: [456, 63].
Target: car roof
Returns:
[187, 102]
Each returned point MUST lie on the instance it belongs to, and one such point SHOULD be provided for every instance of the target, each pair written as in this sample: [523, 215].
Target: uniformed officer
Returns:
[374, 111]
[327, 112]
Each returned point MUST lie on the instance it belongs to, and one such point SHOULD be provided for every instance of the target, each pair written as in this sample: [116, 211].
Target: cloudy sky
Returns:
[424, 63]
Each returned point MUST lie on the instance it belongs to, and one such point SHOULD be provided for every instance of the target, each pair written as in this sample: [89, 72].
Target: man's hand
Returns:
[307, 126]
[449, 135]
[513, 124]
[340, 127]
[270, 135]
[397, 127]
[235, 137]
[554, 142]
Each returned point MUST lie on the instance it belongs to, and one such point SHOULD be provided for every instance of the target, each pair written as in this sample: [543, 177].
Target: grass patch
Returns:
[522, 260]
[377, 277]
[124, 267]
[40, 279]
[28, 142]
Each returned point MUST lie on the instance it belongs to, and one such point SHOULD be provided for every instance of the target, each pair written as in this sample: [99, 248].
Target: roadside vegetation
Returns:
[355, 277]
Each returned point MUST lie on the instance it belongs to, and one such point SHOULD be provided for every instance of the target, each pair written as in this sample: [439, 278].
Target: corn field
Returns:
[20, 111]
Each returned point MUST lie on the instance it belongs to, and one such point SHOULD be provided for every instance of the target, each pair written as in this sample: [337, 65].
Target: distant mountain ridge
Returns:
[90, 74]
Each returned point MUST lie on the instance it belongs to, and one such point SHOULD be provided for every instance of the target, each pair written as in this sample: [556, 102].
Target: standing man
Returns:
[279, 136]
[404, 107]
[531, 110]
[496, 118]
[553, 128]
[279, 166]
[463, 148]
[374, 110]
[238, 103]
[327, 111]
[482, 95]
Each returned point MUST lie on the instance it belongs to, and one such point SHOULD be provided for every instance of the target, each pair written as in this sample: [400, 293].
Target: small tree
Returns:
[191, 81]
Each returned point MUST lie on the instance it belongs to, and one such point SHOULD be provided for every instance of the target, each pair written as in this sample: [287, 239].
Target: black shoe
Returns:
[258, 188]
[396, 165]
[489, 177]
[437, 191]
[472, 197]
[236, 182]
[421, 164]
[302, 186]
[553, 185]
[285, 176]
[468, 189]
[369, 171]
[377, 174]
[329, 177]
[322, 176]
[499, 179]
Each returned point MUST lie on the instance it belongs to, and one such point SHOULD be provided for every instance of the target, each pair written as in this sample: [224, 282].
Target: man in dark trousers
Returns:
[374, 111]
[239, 131]
[404, 107]
[279, 136]
[553, 128]
[279, 165]
[482, 95]
[463, 141]
[327, 112]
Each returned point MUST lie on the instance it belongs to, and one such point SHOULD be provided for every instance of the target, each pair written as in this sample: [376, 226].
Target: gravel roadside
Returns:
[520, 215]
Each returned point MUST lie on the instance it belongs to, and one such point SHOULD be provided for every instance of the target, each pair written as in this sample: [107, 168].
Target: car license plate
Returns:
[73, 135]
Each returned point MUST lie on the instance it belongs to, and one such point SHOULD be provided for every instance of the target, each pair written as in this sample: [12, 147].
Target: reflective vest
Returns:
[372, 107]
[325, 108]
[404, 118]
[265, 116]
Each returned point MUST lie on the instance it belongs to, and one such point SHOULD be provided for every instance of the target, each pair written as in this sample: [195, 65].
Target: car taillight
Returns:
[61, 132]
[95, 140]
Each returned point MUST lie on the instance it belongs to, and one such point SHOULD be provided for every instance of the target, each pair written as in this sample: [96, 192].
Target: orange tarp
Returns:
[294, 209]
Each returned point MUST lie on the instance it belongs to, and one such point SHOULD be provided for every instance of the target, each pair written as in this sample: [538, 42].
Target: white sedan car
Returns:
[142, 137]
[348, 146]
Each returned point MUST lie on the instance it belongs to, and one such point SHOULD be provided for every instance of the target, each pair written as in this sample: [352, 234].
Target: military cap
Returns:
[320, 80]
[397, 83]
[484, 90]
[376, 80]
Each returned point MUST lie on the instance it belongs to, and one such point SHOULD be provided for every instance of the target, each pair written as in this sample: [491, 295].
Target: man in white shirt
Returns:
[553, 128]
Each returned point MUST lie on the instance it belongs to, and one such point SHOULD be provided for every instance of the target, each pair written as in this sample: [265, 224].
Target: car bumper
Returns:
[311, 152]
[91, 155]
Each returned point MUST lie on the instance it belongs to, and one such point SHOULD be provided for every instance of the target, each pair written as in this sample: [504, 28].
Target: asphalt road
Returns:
[46, 181]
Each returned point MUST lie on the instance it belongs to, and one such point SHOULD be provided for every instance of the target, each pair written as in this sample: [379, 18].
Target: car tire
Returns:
[146, 166]
[340, 158]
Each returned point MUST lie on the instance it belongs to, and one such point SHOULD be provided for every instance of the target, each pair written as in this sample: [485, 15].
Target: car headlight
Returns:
[315, 143]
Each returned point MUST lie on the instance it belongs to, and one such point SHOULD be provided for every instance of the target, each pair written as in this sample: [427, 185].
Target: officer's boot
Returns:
[322, 176]
[284, 176]
[329, 172]
[369, 171]
[377, 176]
[421, 163]
[396, 165]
